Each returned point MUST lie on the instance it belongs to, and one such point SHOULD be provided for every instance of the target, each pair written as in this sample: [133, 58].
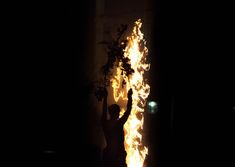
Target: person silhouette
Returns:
[114, 154]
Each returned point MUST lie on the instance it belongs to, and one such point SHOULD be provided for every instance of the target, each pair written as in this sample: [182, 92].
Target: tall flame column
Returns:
[136, 51]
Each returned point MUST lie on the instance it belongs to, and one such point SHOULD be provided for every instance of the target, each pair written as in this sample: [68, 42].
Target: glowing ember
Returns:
[136, 51]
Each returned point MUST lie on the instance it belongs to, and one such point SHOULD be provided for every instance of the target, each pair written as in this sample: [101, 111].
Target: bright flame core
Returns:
[136, 51]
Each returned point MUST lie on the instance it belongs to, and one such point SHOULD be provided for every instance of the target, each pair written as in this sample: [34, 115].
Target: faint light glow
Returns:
[152, 107]
[49, 152]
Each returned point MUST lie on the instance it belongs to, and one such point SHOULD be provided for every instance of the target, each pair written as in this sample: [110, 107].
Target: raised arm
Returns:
[124, 118]
[104, 112]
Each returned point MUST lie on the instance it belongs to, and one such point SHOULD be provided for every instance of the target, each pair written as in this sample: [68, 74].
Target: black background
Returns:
[194, 70]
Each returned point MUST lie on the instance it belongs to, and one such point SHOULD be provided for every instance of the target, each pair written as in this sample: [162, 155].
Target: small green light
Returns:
[152, 104]
[152, 107]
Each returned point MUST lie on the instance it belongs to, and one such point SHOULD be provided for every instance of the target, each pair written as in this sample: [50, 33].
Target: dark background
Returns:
[194, 72]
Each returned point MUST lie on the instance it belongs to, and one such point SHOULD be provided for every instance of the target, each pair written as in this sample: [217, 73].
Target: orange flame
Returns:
[136, 51]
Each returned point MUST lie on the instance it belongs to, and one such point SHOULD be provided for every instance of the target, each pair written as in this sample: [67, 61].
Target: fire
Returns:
[136, 51]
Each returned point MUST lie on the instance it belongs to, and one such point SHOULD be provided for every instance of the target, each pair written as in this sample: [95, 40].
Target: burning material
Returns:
[125, 69]
[136, 52]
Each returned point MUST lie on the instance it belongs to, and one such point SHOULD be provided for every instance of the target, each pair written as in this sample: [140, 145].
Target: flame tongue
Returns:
[136, 51]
